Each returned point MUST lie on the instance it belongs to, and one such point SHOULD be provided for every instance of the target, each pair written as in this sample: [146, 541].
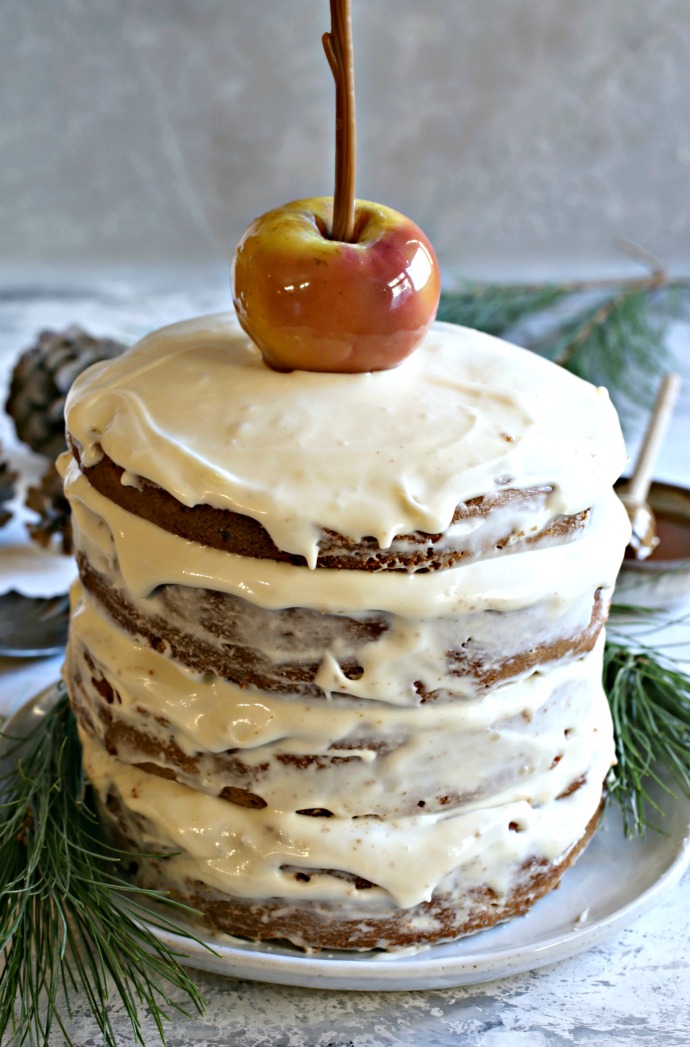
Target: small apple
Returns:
[315, 304]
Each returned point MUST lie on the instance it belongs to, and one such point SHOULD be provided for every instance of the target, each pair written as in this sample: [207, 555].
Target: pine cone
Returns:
[8, 478]
[41, 380]
[54, 527]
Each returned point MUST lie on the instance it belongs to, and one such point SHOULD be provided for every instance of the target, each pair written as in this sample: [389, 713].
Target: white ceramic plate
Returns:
[614, 882]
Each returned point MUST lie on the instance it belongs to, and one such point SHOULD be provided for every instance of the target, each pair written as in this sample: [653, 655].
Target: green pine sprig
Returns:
[70, 923]
[611, 333]
[649, 697]
[496, 308]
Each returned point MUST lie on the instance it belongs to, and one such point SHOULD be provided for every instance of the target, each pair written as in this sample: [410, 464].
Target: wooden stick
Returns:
[637, 490]
[339, 51]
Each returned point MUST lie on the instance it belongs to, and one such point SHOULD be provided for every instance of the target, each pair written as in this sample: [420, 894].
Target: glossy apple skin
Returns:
[315, 304]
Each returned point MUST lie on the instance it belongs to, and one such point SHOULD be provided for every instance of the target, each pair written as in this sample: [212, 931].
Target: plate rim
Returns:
[249, 961]
[426, 968]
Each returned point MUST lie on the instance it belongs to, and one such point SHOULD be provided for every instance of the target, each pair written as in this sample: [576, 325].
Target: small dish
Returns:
[662, 580]
[32, 626]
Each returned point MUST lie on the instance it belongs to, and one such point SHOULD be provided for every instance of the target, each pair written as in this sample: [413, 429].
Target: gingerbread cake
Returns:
[336, 647]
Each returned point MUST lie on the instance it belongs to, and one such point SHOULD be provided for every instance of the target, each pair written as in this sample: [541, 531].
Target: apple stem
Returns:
[338, 47]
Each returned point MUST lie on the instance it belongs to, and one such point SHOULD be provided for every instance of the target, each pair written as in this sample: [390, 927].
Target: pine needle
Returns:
[611, 333]
[68, 916]
[617, 343]
[495, 308]
[649, 697]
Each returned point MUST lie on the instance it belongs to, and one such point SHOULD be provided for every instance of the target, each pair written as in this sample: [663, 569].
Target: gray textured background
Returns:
[523, 135]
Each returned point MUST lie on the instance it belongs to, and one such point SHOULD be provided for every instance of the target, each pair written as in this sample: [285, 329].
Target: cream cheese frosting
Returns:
[148, 557]
[397, 756]
[243, 852]
[194, 409]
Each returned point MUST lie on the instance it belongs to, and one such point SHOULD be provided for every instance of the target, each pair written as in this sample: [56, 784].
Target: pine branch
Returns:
[495, 308]
[611, 333]
[69, 920]
[649, 697]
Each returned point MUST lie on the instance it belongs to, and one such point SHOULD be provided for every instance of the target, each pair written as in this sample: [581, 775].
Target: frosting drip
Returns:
[148, 557]
[194, 409]
[363, 758]
[244, 852]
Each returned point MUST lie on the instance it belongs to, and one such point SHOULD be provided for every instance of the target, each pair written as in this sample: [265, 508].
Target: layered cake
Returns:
[336, 647]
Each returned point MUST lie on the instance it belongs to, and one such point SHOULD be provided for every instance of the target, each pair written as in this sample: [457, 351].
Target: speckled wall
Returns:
[523, 135]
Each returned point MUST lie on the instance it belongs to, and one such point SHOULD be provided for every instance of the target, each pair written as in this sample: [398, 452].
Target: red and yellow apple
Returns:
[316, 304]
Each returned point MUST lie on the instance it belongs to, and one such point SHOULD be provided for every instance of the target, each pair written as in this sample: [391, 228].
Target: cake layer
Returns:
[149, 557]
[377, 657]
[435, 636]
[325, 925]
[486, 526]
[345, 757]
[270, 854]
[194, 410]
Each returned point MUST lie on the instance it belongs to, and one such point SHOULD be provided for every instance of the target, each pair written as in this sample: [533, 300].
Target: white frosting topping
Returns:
[148, 557]
[194, 409]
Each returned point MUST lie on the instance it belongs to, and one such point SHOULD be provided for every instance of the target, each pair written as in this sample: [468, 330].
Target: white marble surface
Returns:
[634, 989]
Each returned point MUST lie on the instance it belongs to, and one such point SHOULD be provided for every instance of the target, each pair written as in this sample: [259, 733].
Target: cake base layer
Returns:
[323, 925]
[347, 882]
